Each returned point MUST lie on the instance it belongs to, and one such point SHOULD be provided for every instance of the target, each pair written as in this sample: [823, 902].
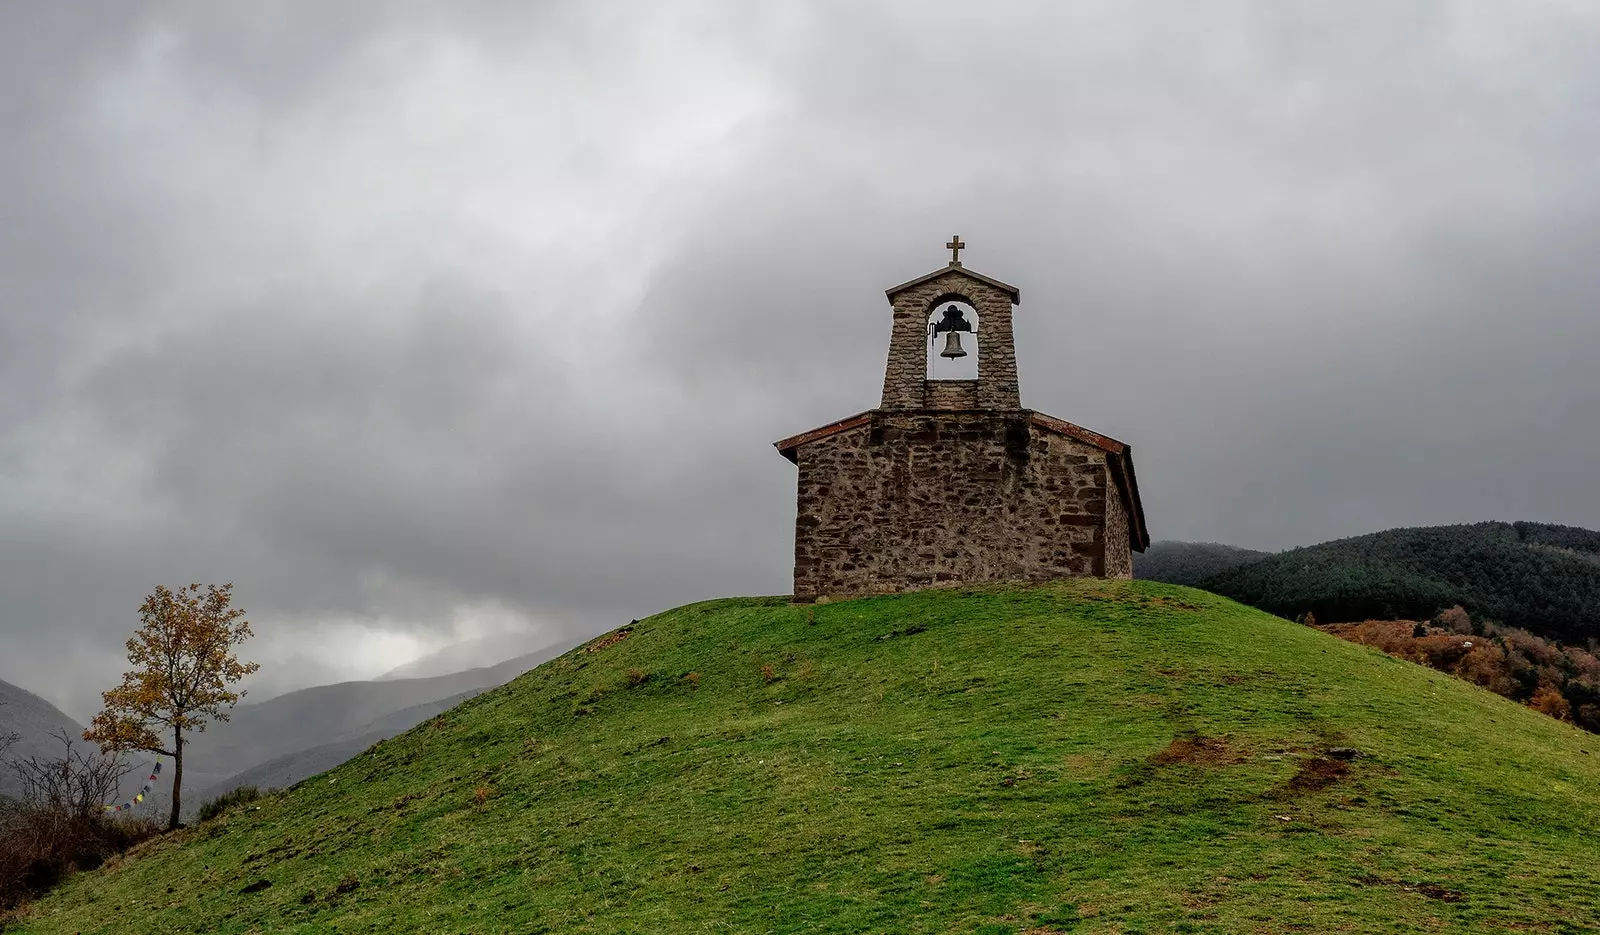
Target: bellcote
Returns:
[906, 382]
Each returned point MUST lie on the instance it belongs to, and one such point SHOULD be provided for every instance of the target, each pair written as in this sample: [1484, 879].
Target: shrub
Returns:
[1456, 620]
[40, 846]
[636, 677]
[1549, 701]
[60, 824]
[228, 800]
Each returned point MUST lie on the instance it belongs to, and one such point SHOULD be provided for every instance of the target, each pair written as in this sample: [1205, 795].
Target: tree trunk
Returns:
[177, 777]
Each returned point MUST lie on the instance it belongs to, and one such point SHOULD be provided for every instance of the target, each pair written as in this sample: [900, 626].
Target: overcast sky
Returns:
[434, 321]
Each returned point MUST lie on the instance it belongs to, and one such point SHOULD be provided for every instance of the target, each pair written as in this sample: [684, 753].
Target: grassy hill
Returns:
[1083, 757]
[1542, 578]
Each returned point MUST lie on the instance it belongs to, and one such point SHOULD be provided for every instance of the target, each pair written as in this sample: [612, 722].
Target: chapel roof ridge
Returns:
[1105, 443]
[955, 266]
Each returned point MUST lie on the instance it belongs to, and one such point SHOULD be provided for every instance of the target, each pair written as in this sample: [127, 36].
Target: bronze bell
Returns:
[950, 326]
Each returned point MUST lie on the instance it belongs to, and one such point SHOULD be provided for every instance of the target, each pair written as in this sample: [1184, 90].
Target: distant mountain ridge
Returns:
[1190, 563]
[463, 655]
[36, 722]
[296, 732]
[276, 742]
[1540, 577]
[286, 770]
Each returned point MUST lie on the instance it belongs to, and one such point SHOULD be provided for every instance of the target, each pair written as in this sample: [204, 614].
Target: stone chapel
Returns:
[951, 481]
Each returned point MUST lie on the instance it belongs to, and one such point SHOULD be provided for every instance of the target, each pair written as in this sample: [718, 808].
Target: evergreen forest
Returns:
[1534, 576]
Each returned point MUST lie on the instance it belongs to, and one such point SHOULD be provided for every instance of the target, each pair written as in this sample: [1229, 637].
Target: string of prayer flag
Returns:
[137, 799]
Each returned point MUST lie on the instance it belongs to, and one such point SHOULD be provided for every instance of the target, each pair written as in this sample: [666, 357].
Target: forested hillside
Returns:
[1542, 578]
[1190, 562]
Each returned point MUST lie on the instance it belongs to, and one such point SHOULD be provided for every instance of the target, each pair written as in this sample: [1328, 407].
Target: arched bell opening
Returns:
[952, 329]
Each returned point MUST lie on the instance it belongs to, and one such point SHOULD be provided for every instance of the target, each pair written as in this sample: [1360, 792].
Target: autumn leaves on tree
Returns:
[183, 664]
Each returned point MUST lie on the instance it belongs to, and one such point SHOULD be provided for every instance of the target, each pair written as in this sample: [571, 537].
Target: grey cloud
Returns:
[391, 311]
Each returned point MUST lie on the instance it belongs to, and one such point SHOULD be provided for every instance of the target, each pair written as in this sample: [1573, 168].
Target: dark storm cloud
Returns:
[413, 319]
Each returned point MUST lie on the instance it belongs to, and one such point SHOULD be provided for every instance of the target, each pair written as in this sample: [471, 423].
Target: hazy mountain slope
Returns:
[1190, 562]
[467, 654]
[1088, 757]
[1545, 579]
[312, 717]
[35, 721]
[288, 769]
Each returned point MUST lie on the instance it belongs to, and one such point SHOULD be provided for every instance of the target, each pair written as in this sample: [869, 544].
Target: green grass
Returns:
[986, 761]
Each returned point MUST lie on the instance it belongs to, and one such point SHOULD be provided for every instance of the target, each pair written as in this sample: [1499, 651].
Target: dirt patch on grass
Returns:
[1431, 890]
[1318, 772]
[1199, 751]
[608, 641]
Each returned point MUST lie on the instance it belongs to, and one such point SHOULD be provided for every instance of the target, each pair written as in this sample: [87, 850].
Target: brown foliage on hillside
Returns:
[1560, 681]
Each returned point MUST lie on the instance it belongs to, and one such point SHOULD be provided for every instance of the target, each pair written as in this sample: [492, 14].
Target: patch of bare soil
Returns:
[1430, 890]
[1199, 751]
[608, 641]
[1318, 772]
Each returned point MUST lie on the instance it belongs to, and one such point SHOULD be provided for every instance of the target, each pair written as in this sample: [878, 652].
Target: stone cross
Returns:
[955, 246]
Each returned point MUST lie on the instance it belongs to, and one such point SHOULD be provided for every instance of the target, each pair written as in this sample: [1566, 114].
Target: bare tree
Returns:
[74, 785]
[60, 824]
[7, 741]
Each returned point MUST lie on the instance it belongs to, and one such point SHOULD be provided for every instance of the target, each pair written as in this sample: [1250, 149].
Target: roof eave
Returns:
[1063, 427]
[1137, 510]
[1128, 484]
[1013, 291]
[787, 446]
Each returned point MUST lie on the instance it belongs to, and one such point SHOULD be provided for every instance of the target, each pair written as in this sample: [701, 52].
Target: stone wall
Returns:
[907, 369]
[950, 394]
[920, 499]
[1119, 551]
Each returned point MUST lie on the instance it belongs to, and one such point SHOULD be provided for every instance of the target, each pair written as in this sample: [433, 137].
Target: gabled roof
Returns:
[1119, 459]
[958, 269]
[1063, 427]
[787, 446]
[1060, 426]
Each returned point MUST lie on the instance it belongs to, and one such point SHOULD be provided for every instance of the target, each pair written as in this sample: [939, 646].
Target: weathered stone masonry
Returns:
[905, 382]
[952, 482]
